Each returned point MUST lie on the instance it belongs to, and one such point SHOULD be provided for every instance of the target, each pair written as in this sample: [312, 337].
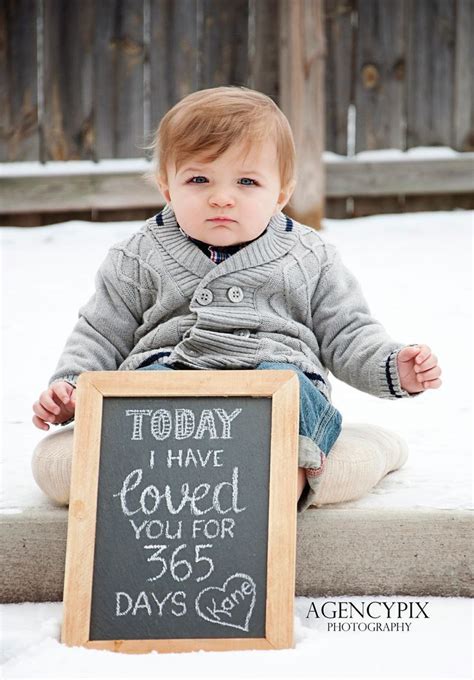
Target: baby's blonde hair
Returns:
[207, 122]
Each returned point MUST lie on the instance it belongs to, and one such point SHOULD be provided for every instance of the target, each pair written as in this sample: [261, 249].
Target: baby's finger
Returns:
[48, 403]
[62, 392]
[43, 413]
[40, 423]
[432, 384]
[430, 362]
[424, 353]
[432, 374]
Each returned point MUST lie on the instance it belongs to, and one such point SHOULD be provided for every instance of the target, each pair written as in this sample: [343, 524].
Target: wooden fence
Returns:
[86, 79]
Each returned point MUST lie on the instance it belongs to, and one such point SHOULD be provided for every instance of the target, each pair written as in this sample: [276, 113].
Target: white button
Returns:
[205, 296]
[243, 332]
[235, 294]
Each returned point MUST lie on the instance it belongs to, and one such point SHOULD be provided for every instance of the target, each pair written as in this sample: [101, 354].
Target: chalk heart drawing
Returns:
[232, 605]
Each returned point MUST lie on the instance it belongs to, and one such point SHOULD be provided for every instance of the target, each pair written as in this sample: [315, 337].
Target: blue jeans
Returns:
[319, 427]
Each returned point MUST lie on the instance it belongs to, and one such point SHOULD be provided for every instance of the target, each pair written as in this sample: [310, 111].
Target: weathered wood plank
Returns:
[22, 193]
[119, 91]
[302, 100]
[339, 71]
[430, 72]
[67, 126]
[336, 208]
[464, 77]
[439, 202]
[223, 40]
[263, 73]
[173, 55]
[80, 191]
[378, 205]
[94, 56]
[19, 134]
[91, 215]
[379, 77]
[384, 205]
[385, 178]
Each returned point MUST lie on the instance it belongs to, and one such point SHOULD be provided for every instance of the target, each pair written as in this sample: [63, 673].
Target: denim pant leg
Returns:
[319, 427]
[155, 367]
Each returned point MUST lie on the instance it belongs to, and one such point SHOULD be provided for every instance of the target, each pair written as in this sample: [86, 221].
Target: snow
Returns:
[31, 648]
[126, 165]
[418, 153]
[60, 168]
[415, 270]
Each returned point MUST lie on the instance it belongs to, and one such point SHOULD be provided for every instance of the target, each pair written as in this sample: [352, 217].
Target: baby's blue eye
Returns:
[246, 181]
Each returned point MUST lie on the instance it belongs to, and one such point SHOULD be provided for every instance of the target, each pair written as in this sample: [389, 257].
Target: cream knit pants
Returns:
[362, 455]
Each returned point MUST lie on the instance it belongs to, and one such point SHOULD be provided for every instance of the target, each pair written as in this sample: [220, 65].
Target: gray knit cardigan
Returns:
[284, 297]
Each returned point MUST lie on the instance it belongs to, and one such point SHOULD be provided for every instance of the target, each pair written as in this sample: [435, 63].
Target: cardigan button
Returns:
[235, 294]
[205, 296]
[243, 332]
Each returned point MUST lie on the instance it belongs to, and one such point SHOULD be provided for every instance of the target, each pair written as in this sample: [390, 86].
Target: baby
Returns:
[221, 278]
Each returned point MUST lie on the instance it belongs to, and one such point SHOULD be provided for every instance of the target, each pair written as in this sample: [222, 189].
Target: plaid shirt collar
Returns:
[218, 254]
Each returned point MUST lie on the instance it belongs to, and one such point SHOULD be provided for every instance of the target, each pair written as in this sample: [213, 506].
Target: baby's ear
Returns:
[285, 195]
[163, 186]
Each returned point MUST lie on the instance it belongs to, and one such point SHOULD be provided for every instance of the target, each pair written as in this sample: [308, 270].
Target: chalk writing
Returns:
[150, 497]
[125, 604]
[194, 457]
[184, 424]
[178, 494]
[232, 605]
[175, 565]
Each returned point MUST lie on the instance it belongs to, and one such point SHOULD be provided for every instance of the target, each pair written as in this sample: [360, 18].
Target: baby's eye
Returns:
[199, 179]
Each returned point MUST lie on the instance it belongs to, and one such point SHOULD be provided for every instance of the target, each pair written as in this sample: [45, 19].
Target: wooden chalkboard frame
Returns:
[282, 386]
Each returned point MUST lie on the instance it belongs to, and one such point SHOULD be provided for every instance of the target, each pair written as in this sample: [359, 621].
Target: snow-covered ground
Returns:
[434, 647]
[416, 272]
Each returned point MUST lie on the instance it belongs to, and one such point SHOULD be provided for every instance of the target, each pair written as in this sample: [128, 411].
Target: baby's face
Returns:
[245, 190]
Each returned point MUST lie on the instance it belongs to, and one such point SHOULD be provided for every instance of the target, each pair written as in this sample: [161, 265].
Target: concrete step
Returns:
[340, 551]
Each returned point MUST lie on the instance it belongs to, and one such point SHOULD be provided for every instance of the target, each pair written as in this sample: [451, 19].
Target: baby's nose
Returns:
[221, 198]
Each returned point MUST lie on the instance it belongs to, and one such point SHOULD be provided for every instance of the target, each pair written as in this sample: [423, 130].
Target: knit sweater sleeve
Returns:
[354, 346]
[103, 336]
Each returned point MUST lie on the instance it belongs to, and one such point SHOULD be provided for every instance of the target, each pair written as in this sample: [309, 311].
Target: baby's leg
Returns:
[51, 464]
[362, 455]
[360, 458]
[340, 463]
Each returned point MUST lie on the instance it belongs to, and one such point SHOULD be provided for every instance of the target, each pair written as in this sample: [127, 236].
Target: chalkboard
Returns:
[182, 515]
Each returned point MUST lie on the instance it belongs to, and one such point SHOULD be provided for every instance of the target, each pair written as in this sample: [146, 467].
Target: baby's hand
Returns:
[55, 405]
[418, 369]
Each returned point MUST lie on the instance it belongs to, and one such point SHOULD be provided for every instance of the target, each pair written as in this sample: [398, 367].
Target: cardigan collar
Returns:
[218, 254]
[275, 242]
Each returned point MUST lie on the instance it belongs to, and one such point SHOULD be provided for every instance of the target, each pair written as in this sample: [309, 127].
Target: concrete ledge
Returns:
[34, 551]
[340, 551]
[395, 551]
